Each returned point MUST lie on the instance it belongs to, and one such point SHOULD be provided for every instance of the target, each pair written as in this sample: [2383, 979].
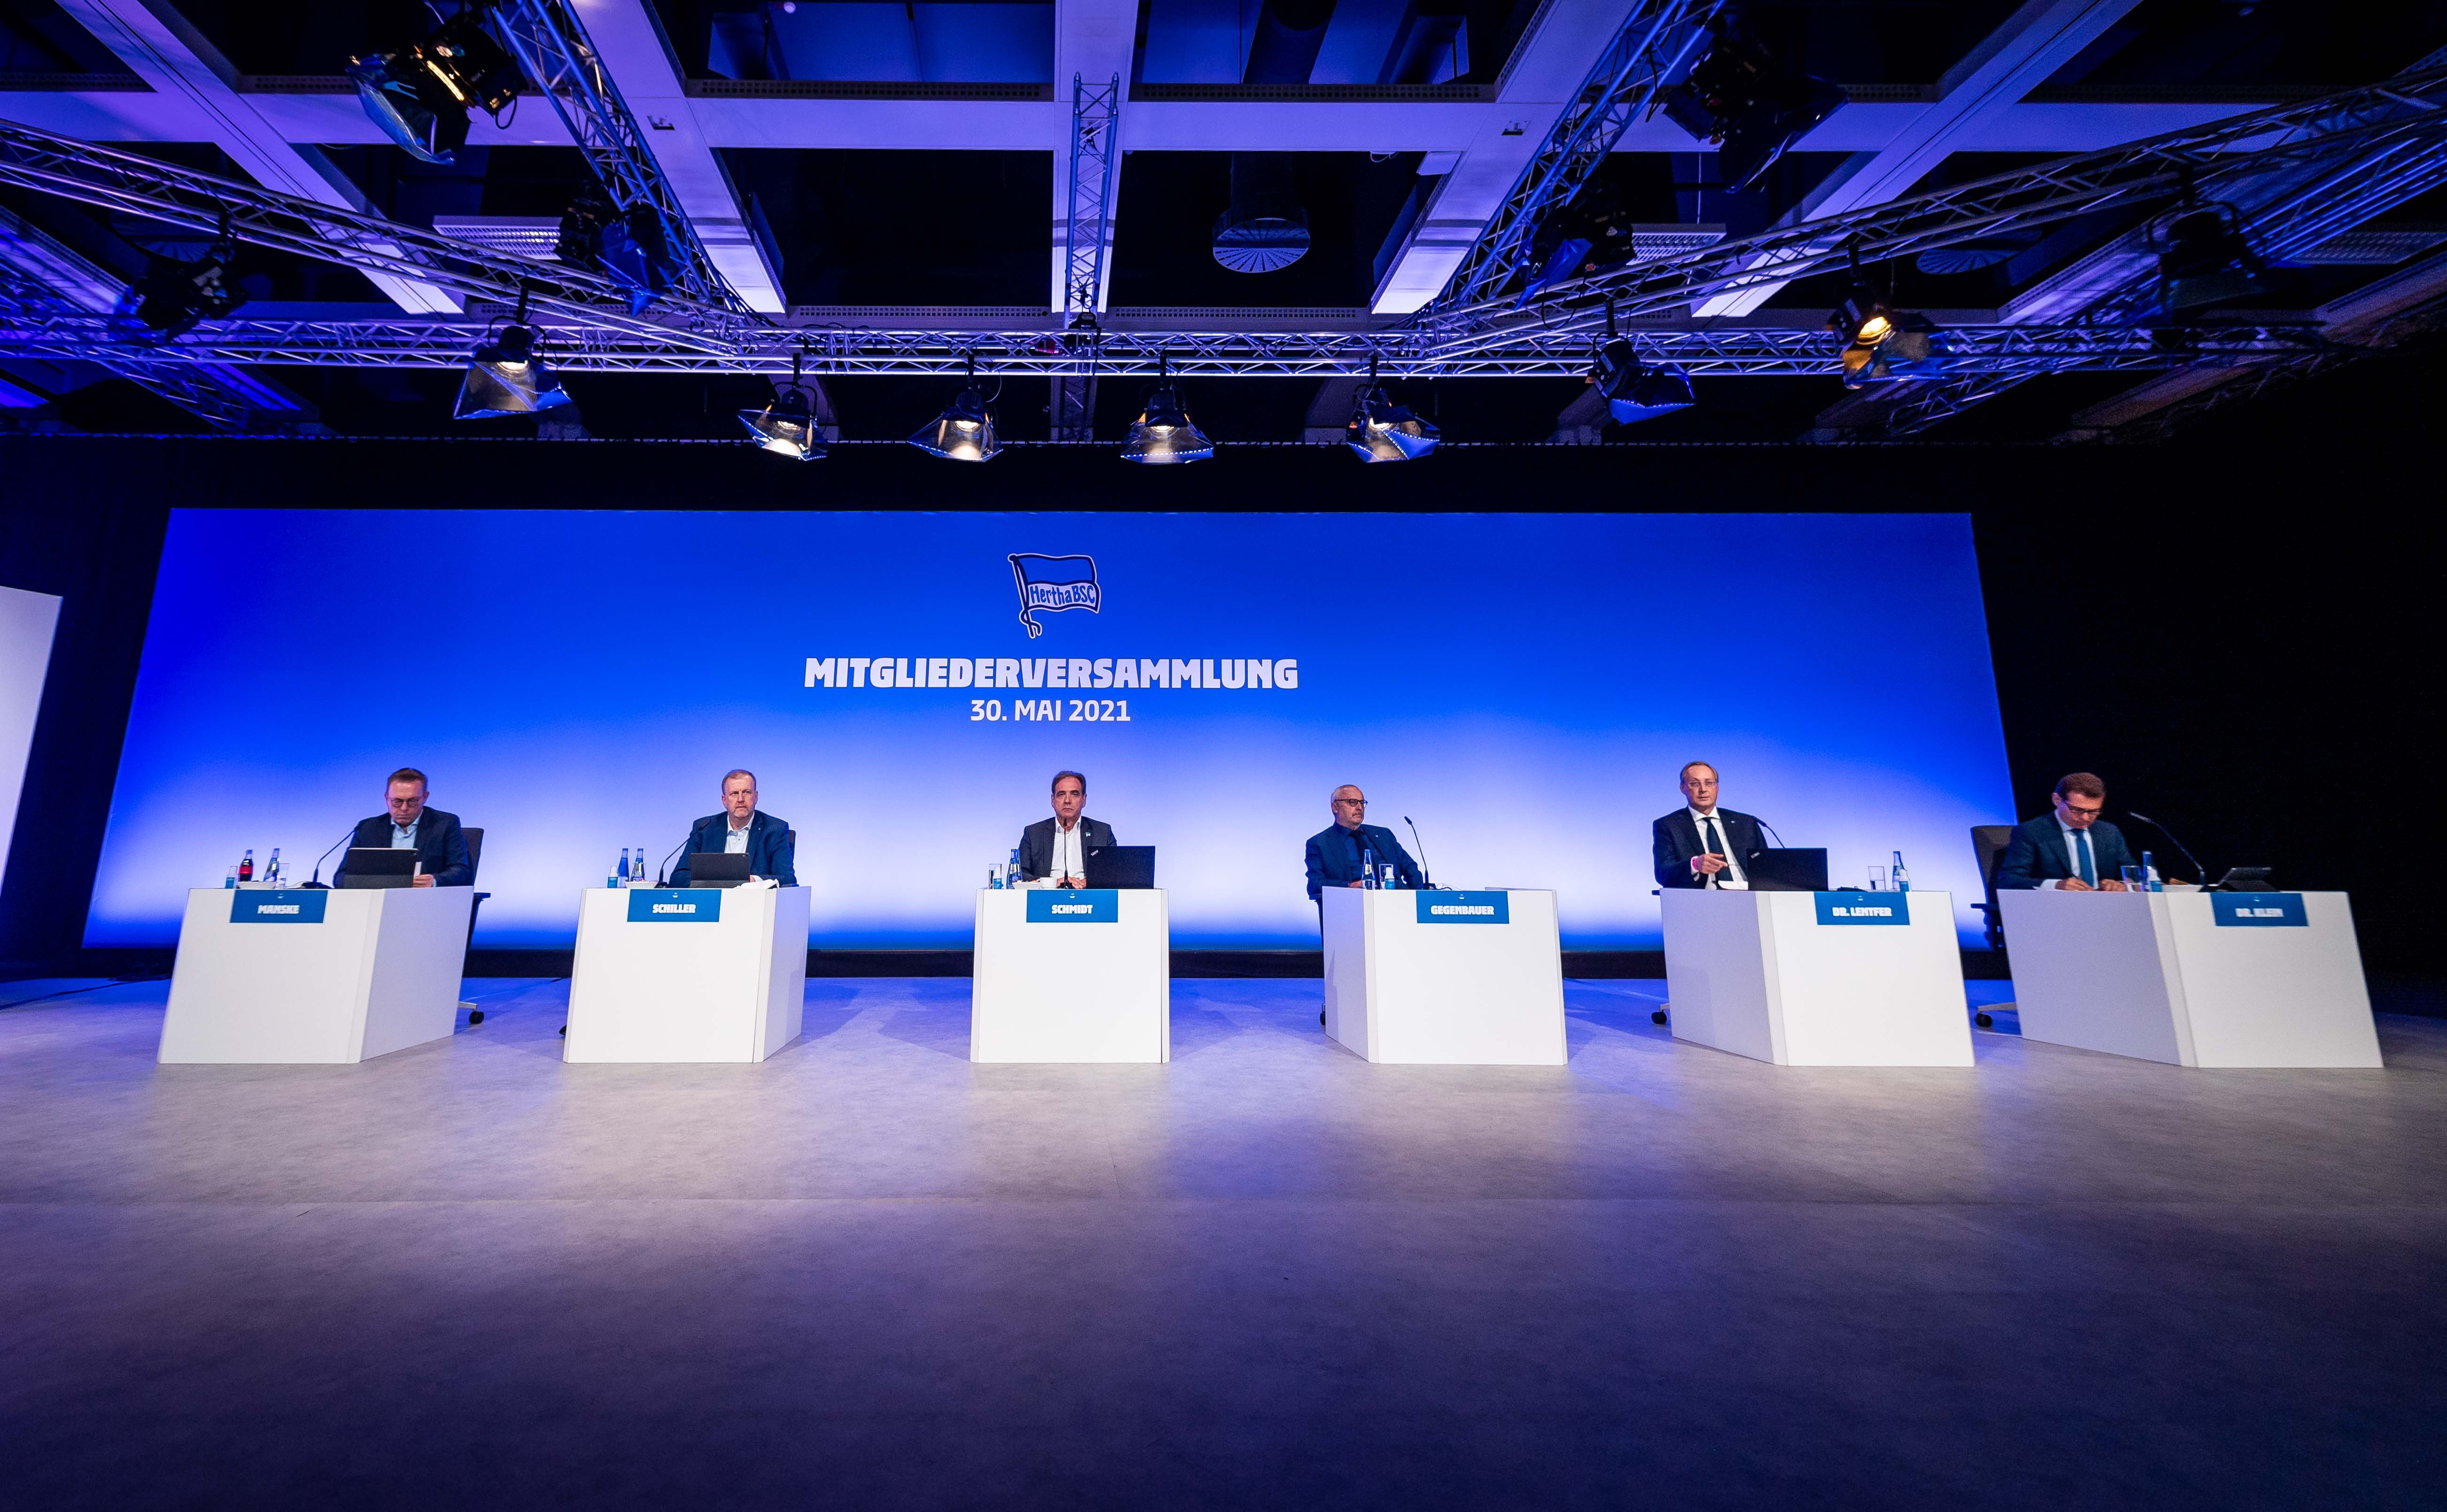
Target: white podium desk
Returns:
[312, 977]
[1818, 978]
[2209, 979]
[687, 973]
[1444, 979]
[1071, 974]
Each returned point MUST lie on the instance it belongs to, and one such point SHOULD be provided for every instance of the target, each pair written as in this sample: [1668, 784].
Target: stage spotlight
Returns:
[2203, 258]
[630, 250]
[420, 97]
[506, 377]
[964, 431]
[173, 295]
[1739, 98]
[1162, 432]
[1637, 390]
[786, 426]
[1913, 346]
[1382, 431]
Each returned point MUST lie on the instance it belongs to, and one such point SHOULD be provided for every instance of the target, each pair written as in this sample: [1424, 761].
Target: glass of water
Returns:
[1877, 878]
[2133, 881]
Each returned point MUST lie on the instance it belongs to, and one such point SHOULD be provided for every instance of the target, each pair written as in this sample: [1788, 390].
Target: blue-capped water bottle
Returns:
[623, 873]
[2149, 874]
[1897, 878]
[1011, 869]
[1367, 866]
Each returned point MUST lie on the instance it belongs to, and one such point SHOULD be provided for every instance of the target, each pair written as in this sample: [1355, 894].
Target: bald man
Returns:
[1334, 851]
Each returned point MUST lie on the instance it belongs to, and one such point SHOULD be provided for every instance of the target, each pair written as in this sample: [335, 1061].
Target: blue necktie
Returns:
[1713, 844]
[2081, 849]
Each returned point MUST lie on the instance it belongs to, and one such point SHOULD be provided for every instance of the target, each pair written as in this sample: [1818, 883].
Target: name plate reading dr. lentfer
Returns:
[1864, 908]
[674, 905]
[302, 905]
[1074, 905]
[1464, 908]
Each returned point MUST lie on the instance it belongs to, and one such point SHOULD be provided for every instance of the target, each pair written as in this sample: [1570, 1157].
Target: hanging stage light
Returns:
[506, 377]
[420, 97]
[1879, 341]
[1739, 97]
[1162, 432]
[787, 428]
[1382, 431]
[2203, 259]
[630, 250]
[965, 432]
[173, 295]
[1633, 390]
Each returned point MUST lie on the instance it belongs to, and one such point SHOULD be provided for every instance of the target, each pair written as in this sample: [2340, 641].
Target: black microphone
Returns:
[1423, 852]
[659, 871]
[2198, 870]
[316, 881]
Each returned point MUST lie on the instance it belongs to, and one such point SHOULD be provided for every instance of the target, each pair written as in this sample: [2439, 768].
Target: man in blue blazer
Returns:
[1686, 857]
[1057, 849]
[1334, 851]
[441, 847]
[2072, 849]
[741, 827]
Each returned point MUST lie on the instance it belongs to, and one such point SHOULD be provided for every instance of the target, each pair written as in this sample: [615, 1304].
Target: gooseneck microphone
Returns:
[316, 881]
[660, 872]
[1771, 829]
[2198, 870]
[1423, 852]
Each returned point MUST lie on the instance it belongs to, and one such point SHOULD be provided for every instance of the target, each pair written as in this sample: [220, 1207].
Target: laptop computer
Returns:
[1799, 870]
[370, 866]
[1121, 866]
[2242, 880]
[717, 868]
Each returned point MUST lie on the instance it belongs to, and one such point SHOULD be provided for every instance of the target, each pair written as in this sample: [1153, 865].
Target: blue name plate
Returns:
[674, 905]
[1464, 908]
[2258, 910]
[1073, 905]
[1863, 908]
[260, 905]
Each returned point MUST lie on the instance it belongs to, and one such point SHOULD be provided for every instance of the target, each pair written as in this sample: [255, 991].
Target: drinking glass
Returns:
[2135, 881]
[1877, 878]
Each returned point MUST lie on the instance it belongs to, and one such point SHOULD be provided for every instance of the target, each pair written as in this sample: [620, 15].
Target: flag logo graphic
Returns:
[1051, 583]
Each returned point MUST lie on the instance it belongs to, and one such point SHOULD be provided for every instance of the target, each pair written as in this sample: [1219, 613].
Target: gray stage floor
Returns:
[867, 1273]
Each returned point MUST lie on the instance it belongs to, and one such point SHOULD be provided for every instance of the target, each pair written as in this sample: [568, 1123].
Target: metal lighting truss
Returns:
[1750, 352]
[123, 181]
[555, 54]
[1650, 46]
[1095, 112]
[2402, 120]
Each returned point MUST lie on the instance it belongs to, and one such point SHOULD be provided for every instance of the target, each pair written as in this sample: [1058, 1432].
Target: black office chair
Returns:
[1988, 842]
[475, 855]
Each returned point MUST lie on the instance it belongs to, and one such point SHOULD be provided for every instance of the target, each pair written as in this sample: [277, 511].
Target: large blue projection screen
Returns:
[1524, 687]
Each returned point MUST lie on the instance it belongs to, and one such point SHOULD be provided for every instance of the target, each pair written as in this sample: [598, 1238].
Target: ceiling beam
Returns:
[1094, 41]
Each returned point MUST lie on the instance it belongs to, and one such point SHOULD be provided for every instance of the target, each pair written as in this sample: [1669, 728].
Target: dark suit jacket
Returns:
[770, 851]
[2037, 853]
[439, 846]
[1677, 840]
[1334, 857]
[1037, 845]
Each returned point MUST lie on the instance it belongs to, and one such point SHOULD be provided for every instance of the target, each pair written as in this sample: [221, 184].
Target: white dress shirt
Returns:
[2073, 857]
[1732, 879]
[1067, 861]
[734, 840]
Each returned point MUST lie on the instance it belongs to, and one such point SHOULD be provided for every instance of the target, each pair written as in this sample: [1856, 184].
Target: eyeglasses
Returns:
[1351, 802]
[2087, 813]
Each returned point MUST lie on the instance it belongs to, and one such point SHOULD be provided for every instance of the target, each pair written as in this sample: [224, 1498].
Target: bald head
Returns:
[1350, 806]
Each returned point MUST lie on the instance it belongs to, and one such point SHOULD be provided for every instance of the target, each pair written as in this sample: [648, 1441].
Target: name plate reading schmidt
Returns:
[674, 905]
[1073, 905]
[1863, 908]
[303, 905]
[2258, 910]
[1464, 908]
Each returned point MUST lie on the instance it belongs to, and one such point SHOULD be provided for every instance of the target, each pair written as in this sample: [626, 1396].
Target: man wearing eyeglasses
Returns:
[1335, 852]
[2071, 850]
[1701, 845]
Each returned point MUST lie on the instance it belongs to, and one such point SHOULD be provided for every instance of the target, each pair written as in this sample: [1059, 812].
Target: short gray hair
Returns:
[1684, 775]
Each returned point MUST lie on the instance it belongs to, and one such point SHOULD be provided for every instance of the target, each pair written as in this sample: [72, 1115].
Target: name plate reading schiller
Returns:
[1464, 908]
[1863, 908]
[2258, 910]
[1073, 905]
[674, 905]
[303, 905]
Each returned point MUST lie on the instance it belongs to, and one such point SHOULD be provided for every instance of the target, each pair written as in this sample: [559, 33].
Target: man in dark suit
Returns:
[1334, 851]
[742, 827]
[2072, 849]
[1057, 849]
[1701, 845]
[440, 848]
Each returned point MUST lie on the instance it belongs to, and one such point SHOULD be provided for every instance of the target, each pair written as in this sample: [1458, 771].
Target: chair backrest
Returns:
[475, 836]
[1988, 842]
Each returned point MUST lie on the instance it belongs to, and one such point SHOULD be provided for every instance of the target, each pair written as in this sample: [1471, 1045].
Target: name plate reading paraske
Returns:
[674, 905]
[1074, 905]
[303, 905]
[1464, 908]
[1863, 908]
[2258, 910]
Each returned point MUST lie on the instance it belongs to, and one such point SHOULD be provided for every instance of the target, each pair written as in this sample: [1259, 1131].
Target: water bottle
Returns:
[246, 867]
[271, 869]
[2149, 874]
[1368, 867]
[232, 880]
[1011, 869]
[641, 868]
[626, 876]
[1897, 879]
